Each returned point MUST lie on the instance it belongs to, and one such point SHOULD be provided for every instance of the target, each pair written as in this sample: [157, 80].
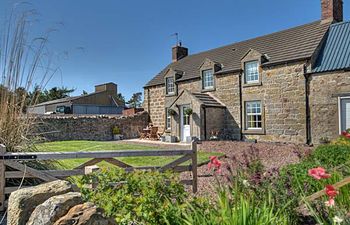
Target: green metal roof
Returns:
[335, 53]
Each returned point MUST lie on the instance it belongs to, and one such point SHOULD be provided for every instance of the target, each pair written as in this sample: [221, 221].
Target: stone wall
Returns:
[325, 89]
[282, 93]
[154, 104]
[97, 128]
[227, 91]
[53, 203]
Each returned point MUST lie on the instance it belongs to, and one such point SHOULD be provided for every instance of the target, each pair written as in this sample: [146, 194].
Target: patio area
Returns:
[157, 143]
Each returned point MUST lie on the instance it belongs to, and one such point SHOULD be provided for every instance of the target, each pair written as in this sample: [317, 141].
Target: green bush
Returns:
[116, 131]
[330, 156]
[238, 205]
[294, 183]
[140, 197]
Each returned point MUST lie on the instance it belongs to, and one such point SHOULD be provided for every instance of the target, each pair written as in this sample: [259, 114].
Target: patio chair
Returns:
[143, 135]
[154, 133]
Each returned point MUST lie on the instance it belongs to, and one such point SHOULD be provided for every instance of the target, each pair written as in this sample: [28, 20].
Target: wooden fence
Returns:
[17, 162]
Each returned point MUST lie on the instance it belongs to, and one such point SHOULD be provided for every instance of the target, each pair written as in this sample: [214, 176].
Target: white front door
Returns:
[185, 126]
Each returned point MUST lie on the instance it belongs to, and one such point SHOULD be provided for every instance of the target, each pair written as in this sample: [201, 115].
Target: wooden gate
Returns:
[17, 161]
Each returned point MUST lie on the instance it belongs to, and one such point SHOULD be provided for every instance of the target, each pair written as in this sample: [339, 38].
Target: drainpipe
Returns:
[240, 105]
[205, 122]
[307, 105]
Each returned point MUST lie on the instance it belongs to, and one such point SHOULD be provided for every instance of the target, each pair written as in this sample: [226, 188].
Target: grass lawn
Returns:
[70, 146]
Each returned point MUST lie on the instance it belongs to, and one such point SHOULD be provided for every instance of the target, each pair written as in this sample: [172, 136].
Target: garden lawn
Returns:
[73, 146]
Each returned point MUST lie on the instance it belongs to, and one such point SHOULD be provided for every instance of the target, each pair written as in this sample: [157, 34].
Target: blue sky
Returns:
[129, 41]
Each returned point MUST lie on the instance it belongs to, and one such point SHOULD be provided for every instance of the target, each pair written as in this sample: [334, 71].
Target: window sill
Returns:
[171, 95]
[252, 84]
[208, 90]
[254, 131]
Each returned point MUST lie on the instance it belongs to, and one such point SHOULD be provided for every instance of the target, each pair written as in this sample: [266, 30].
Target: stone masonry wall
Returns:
[96, 128]
[227, 91]
[154, 104]
[282, 93]
[324, 92]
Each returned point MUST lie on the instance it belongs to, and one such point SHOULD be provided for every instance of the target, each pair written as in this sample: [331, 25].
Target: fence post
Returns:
[89, 170]
[2, 177]
[194, 166]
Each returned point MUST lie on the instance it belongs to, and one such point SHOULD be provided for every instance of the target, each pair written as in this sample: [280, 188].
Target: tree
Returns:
[120, 98]
[135, 100]
[49, 95]
[58, 93]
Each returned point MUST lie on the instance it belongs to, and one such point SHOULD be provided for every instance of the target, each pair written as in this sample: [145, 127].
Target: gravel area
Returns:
[271, 155]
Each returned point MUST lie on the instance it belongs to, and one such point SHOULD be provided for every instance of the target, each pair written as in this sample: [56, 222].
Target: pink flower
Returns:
[331, 192]
[345, 134]
[214, 163]
[318, 173]
[330, 203]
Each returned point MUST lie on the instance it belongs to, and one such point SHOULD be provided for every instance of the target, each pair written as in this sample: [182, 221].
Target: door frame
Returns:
[339, 111]
[182, 121]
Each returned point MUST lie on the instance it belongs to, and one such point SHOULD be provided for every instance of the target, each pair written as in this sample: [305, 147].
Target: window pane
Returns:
[251, 72]
[167, 119]
[208, 79]
[253, 115]
[170, 86]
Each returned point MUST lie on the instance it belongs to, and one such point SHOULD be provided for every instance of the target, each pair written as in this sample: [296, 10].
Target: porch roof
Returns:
[205, 99]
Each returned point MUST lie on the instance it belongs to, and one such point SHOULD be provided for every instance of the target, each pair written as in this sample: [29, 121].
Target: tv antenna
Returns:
[177, 38]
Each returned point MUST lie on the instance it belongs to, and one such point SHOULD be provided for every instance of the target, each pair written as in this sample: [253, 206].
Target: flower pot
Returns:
[117, 137]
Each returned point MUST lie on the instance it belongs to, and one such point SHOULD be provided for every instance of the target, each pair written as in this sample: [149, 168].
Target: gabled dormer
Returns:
[170, 81]
[207, 73]
[251, 66]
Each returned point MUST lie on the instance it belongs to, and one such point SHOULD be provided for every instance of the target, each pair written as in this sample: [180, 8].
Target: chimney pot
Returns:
[332, 10]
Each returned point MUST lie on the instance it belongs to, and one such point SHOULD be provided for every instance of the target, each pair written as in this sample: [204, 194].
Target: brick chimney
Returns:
[179, 52]
[332, 10]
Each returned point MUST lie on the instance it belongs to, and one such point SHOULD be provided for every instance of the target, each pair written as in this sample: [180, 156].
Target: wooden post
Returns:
[2, 177]
[89, 170]
[194, 166]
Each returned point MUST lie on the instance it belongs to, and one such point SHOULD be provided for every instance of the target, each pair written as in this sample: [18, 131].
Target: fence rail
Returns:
[19, 169]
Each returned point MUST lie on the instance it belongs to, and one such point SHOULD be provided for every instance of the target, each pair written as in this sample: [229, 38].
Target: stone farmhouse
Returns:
[289, 86]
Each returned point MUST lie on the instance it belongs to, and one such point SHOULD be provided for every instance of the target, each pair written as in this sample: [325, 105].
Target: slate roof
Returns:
[335, 52]
[288, 45]
[68, 99]
[207, 100]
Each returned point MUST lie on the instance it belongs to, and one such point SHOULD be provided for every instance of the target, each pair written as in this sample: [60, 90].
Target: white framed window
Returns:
[344, 113]
[167, 119]
[251, 71]
[208, 79]
[170, 85]
[253, 115]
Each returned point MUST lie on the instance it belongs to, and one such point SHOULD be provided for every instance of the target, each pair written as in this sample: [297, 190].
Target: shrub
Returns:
[116, 131]
[295, 183]
[140, 197]
[331, 155]
[238, 205]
